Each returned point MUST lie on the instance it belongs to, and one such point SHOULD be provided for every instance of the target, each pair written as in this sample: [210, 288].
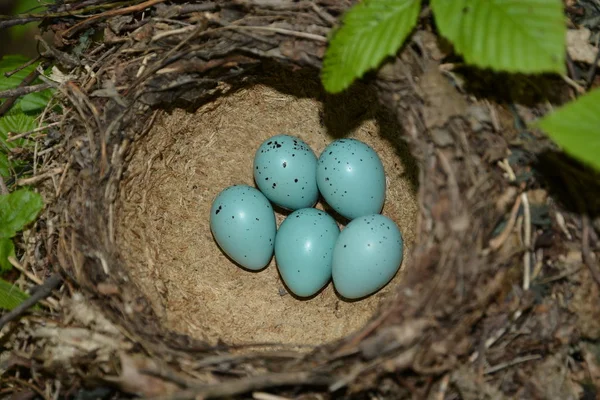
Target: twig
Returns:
[560, 276]
[498, 241]
[560, 220]
[592, 73]
[49, 302]
[41, 292]
[40, 177]
[578, 88]
[441, 394]
[516, 361]
[267, 396]
[172, 32]
[8, 21]
[29, 385]
[26, 82]
[3, 188]
[324, 14]
[22, 67]
[282, 31]
[539, 263]
[112, 13]
[17, 21]
[245, 385]
[527, 240]
[585, 250]
[23, 90]
[15, 263]
[36, 130]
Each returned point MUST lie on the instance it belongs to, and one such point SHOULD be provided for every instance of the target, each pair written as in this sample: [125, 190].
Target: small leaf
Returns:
[15, 122]
[371, 31]
[4, 165]
[526, 36]
[18, 209]
[28, 103]
[575, 127]
[7, 249]
[10, 295]
[37, 101]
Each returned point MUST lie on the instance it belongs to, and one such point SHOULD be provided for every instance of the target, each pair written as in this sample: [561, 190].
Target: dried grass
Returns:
[163, 230]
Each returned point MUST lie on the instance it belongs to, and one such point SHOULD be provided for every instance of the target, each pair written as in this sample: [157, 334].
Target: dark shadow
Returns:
[392, 132]
[341, 113]
[574, 185]
[508, 88]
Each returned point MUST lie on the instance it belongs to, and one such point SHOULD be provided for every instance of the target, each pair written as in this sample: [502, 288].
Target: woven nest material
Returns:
[167, 110]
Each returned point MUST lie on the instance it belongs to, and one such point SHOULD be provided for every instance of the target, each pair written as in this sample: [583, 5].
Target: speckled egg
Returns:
[367, 255]
[351, 178]
[285, 170]
[304, 250]
[243, 224]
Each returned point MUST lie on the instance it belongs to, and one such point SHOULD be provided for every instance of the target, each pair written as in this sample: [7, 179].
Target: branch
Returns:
[41, 292]
[23, 90]
[244, 385]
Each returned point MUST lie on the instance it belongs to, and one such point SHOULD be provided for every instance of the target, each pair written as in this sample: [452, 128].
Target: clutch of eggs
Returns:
[309, 248]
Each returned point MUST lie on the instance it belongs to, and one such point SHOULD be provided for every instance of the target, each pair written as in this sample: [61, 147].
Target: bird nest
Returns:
[167, 109]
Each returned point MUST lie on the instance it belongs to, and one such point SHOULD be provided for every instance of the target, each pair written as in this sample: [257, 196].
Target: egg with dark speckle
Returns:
[351, 178]
[304, 250]
[367, 255]
[285, 170]
[243, 224]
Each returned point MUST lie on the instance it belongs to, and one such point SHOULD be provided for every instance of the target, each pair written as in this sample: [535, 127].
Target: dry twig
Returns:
[41, 292]
[586, 253]
[23, 90]
[245, 385]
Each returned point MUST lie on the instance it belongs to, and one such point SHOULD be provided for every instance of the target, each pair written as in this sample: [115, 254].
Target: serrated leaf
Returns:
[17, 210]
[526, 36]
[7, 249]
[32, 101]
[575, 128]
[370, 31]
[17, 122]
[10, 295]
[4, 165]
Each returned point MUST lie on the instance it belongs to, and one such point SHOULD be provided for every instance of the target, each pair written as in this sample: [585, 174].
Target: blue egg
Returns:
[351, 178]
[304, 249]
[243, 224]
[367, 255]
[285, 170]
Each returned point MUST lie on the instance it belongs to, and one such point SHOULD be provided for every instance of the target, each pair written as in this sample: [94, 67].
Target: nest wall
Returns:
[456, 286]
[186, 159]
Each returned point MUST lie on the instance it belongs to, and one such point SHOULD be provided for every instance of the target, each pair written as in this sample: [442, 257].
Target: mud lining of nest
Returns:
[453, 312]
[187, 158]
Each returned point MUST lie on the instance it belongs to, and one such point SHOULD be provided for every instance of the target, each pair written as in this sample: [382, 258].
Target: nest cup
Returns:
[175, 170]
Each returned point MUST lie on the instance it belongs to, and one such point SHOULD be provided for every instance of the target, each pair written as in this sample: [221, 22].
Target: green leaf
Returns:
[4, 165]
[32, 101]
[526, 36]
[18, 209]
[575, 127]
[7, 249]
[16, 122]
[371, 31]
[10, 295]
